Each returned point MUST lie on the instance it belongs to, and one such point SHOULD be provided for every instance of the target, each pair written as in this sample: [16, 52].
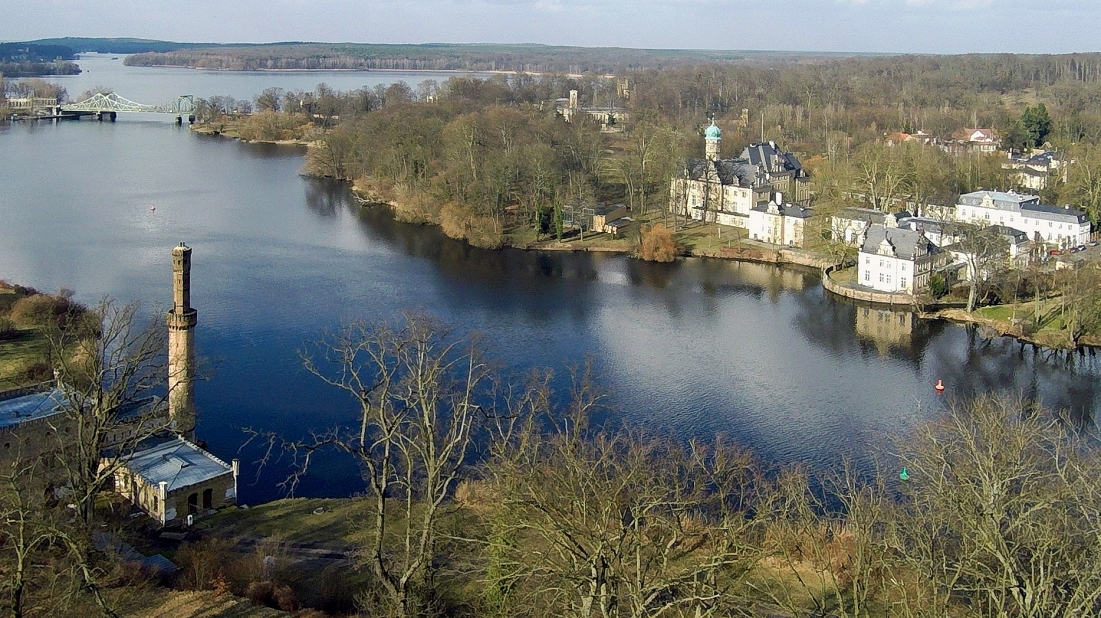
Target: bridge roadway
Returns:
[107, 106]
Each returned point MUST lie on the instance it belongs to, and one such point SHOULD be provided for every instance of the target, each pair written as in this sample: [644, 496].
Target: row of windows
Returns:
[1024, 221]
[884, 278]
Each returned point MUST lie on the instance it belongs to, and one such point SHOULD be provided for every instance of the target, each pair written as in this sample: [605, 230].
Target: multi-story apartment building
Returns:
[1054, 225]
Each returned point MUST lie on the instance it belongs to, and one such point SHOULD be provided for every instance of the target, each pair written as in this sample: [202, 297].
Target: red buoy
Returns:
[939, 386]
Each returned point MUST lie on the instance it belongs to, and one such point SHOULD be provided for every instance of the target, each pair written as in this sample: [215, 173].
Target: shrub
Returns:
[38, 372]
[46, 310]
[7, 329]
[455, 220]
[284, 598]
[938, 285]
[260, 593]
[657, 244]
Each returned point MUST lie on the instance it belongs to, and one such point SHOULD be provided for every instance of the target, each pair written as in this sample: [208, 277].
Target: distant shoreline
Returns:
[449, 71]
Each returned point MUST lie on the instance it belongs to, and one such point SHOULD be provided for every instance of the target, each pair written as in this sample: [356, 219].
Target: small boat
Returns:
[153, 209]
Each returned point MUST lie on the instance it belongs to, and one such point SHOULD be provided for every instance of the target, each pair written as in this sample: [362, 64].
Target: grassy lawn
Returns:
[18, 353]
[999, 312]
[846, 275]
[294, 520]
[706, 236]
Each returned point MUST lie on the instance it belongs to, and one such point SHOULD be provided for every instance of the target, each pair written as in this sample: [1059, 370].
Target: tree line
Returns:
[493, 494]
[987, 510]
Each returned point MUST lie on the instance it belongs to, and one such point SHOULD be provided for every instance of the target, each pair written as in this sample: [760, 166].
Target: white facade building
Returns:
[1062, 227]
[778, 223]
[897, 260]
[724, 191]
[849, 224]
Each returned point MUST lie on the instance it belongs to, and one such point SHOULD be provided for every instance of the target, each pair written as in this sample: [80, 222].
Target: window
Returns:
[1049, 224]
[867, 260]
[881, 277]
[888, 278]
[902, 282]
[881, 263]
[867, 277]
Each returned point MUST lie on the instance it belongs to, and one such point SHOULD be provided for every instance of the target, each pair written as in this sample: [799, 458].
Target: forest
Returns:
[495, 147]
[529, 58]
[29, 60]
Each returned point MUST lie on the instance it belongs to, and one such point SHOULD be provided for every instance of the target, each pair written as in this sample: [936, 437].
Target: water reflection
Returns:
[696, 347]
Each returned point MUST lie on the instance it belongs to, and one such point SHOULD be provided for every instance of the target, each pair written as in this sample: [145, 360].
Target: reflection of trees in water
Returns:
[327, 197]
[514, 280]
[548, 285]
[656, 275]
[1060, 380]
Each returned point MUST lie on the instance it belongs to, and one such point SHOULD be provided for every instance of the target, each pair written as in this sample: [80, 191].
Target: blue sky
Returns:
[917, 26]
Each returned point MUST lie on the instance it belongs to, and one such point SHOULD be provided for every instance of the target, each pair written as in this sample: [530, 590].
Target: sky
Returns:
[893, 26]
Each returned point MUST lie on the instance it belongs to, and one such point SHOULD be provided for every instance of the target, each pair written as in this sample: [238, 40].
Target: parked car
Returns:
[1081, 247]
[1055, 252]
[1093, 243]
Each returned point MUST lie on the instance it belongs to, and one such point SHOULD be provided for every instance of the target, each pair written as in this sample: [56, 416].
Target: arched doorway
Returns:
[208, 499]
[193, 504]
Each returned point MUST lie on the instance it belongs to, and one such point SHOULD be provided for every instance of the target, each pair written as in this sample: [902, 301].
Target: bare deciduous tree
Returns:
[618, 525]
[419, 391]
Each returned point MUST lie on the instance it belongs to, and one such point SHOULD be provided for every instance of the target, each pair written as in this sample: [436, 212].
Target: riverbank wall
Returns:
[870, 296]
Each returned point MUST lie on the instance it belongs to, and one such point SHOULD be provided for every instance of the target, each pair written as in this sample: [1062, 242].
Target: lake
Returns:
[759, 353]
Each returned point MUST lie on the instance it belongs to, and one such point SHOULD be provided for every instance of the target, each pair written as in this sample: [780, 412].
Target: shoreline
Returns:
[779, 256]
[365, 70]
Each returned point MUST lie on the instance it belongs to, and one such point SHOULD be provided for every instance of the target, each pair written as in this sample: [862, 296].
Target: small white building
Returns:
[175, 478]
[849, 224]
[897, 260]
[778, 223]
[976, 140]
[1052, 225]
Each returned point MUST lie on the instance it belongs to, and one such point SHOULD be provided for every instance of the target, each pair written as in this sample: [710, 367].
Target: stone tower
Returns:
[712, 136]
[181, 345]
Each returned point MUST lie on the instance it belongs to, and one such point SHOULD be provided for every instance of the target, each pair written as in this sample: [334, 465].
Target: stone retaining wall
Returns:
[883, 298]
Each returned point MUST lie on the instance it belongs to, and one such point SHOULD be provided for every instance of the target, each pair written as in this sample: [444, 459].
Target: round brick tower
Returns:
[181, 346]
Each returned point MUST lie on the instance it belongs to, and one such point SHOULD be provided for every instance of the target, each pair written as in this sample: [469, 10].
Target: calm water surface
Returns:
[759, 353]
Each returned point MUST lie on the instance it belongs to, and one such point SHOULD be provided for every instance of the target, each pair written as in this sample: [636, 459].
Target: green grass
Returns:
[845, 275]
[292, 520]
[999, 312]
[18, 353]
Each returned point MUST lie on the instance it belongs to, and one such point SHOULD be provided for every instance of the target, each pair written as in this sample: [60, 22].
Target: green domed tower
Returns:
[712, 136]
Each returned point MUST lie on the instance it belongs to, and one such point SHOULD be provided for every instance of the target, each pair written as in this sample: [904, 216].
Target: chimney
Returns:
[181, 345]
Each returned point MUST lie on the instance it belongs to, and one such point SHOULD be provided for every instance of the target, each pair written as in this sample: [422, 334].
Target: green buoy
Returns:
[904, 475]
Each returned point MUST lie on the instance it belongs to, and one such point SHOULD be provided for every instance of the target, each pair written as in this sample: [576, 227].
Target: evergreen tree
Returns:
[1036, 123]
